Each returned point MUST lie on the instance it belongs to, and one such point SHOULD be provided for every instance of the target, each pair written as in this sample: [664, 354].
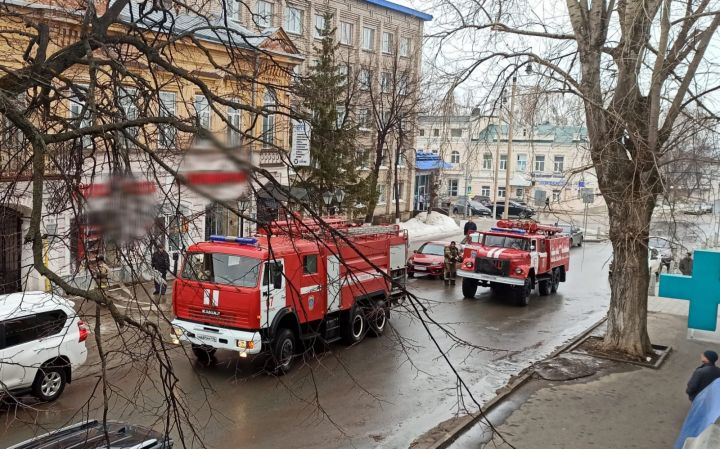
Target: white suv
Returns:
[42, 342]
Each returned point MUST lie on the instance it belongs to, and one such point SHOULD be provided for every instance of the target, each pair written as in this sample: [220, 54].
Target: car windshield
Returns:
[433, 249]
[221, 268]
[476, 205]
[566, 228]
[501, 241]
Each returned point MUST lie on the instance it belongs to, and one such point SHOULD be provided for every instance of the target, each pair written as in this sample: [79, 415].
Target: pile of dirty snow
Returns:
[425, 226]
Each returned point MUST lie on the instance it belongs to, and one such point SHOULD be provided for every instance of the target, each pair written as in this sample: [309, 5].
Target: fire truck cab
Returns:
[283, 290]
[514, 257]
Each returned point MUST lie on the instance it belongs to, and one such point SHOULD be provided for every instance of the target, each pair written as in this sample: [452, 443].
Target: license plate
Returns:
[206, 338]
[419, 268]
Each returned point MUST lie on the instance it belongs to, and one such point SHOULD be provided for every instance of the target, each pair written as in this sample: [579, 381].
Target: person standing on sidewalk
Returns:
[469, 227]
[452, 256]
[686, 263]
[547, 205]
[704, 375]
[102, 272]
[161, 263]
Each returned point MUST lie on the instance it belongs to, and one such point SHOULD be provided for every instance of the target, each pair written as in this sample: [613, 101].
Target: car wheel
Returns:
[555, 283]
[522, 294]
[580, 242]
[49, 383]
[283, 351]
[544, 287]
[455, 211]
[356, 326]
[204, 353]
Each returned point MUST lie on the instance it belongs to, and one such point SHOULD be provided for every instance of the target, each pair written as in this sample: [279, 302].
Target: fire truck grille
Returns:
[218, 317]
[492, 266]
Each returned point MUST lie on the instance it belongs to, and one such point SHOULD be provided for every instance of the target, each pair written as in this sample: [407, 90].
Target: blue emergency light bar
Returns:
[514, 231]
[233, 239]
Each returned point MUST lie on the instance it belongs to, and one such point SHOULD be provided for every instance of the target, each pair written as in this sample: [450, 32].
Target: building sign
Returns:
[300, 153]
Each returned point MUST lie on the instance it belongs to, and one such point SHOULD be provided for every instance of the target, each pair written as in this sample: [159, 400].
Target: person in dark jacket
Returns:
[470, 226]
[704, 375]
[452, 257]
[160, 262]
[686, 264]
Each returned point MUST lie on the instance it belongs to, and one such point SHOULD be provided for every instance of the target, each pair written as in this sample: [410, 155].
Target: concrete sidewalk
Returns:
[620, 406]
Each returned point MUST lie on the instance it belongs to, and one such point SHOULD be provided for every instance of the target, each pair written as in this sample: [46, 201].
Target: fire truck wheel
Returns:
[555, 280]
[378, 318]
[356, 326]
[522, 294]
[544, 286]
[283, 351]
[469, 287]
[411, 274]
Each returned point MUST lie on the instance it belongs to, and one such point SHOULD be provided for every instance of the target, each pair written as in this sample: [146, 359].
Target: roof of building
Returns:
[402, 9]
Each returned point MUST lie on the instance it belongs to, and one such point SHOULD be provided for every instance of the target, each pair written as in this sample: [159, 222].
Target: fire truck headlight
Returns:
[468, 264]
[178, 331]
[242, 344]
[518, 270]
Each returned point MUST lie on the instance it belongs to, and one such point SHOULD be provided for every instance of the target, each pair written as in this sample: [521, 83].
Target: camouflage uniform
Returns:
[452, 256]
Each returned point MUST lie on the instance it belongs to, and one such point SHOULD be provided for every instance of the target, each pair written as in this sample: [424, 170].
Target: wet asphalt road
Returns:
[384, 392]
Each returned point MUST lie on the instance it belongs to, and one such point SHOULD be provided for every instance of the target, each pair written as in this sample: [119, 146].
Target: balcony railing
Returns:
[269, 157]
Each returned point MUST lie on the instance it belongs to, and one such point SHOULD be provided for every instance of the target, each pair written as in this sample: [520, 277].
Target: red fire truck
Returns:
[515, 256]
[288, 287]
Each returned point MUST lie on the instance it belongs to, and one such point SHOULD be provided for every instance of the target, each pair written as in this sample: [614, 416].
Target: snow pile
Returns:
[425, 226]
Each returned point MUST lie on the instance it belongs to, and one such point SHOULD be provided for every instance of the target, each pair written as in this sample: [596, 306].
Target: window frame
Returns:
[296, 16]
[453, 185]
[539, 163]
[555, 164]
[405, 47]
[306, 259]
[502, 166]
[317, 30]
[264, 18]
[455, 157]
[364, 43]
[202, 113]
[167, 134]
[347, 26]
[387, 42]
[487, 161]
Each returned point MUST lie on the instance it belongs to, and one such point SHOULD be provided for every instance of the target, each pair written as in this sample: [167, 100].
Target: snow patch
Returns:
[426, 225]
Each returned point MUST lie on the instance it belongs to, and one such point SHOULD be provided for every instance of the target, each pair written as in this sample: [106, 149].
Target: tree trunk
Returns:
[374, 178]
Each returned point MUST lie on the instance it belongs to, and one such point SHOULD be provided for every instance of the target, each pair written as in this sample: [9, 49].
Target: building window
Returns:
[501, 192]
[519, 192]
[319, 25]
[453, 187]
[268, 129]
[399, 188]
[81, 115]
[294, 20]
[361, 156]
[559, 164]
[556, 196]
[364, 118]
[539, 163]
[405, 47]
[521, 162]
[202, 111]
[436, 133]
[387, 42]
[421, 133]
[385, 82]
[126, 98]
[487, 161]
[167, 132]
[368, 39]
[340, 117]
[485, 191]
[346, 33]
[503, 162]
[234, 124]
[381, 194]
[455, 157]
[365, 79]
[234, 10]
[403, 84]
[456, 132]
[263, 14]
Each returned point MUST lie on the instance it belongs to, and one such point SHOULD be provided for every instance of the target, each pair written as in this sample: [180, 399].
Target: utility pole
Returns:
[497, 160]
[509, 147]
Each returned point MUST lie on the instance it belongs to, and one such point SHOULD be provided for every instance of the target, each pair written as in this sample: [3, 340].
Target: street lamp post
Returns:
[327, 199]
[508, 164]
[243, 205]
[339, 197]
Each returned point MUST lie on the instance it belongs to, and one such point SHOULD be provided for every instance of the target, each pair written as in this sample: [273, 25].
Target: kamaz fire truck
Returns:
[290, 286]
[514, 257]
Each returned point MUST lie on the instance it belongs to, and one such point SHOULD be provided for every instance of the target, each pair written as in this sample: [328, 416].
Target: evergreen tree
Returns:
[326, 101]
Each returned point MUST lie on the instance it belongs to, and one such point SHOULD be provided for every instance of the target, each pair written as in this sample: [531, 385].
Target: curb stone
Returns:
[468, 421]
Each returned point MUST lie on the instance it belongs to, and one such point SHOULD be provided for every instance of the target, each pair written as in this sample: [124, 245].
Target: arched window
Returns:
[268, 130]
[455, 157]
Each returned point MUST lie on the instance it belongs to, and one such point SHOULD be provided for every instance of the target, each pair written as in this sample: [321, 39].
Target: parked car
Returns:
[92, 435]
[664, 249]
[484, 200]
[515, 210]
[42, 343]
[427, 260]
[470, 207]
[575, 234]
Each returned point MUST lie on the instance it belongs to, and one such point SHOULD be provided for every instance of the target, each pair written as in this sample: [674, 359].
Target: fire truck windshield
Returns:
[502, 241]
[220, 268]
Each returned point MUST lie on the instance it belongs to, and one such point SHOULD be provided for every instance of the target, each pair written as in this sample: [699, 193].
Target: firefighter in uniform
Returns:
[452, 256]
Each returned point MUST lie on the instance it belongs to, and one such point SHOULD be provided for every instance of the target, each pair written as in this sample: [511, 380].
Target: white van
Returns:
[42, 343]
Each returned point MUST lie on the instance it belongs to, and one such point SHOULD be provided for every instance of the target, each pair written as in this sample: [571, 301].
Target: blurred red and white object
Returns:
[122, 208]
[209, 170]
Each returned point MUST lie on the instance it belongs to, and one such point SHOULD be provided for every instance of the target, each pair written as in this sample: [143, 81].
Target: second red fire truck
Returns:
[288, 288]
[514, 257]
